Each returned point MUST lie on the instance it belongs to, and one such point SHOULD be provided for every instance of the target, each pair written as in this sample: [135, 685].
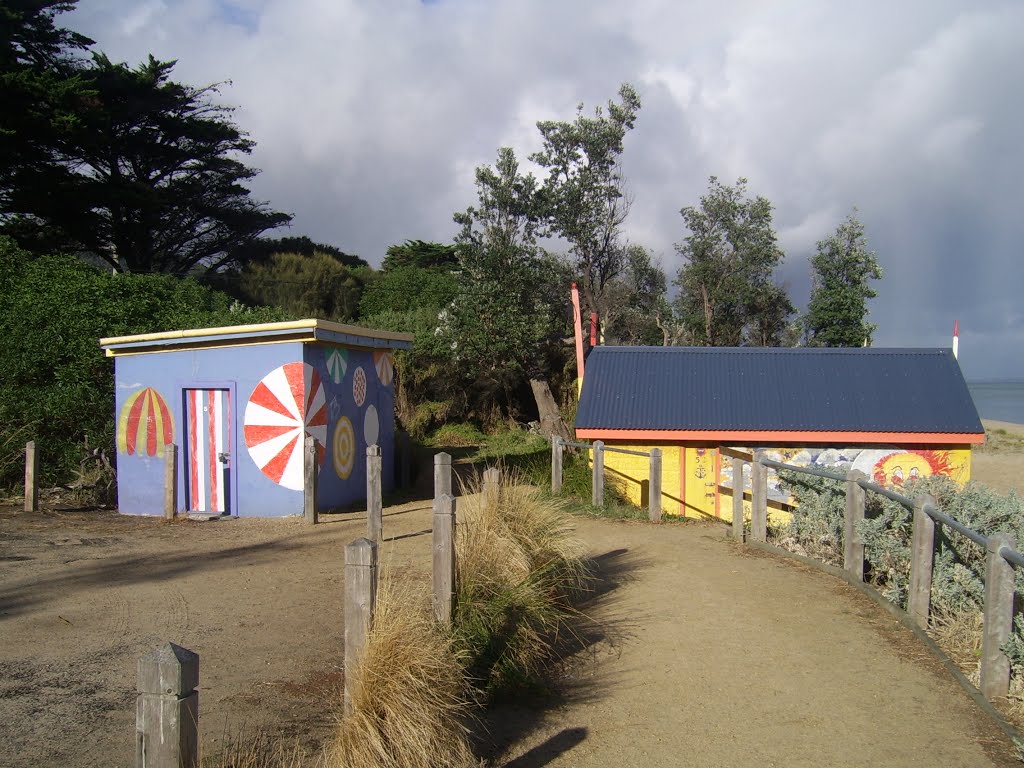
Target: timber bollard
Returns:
[444, 557]
[492, 480]
[31, 477]
[442, 475]
[556, 464]
[167, 709]
[737, 499]
[759, 499]
[654, 487]
[170, 481]
[999, 588]
[922, 556]
[374, 495]
[360, 604]
[597, 478]
[853, 544]
[309, 473]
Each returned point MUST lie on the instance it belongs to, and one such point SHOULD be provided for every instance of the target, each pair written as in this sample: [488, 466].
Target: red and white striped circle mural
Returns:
[288, 404]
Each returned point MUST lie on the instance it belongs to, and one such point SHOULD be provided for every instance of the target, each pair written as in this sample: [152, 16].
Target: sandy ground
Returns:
[707, 654]
[1000, 462]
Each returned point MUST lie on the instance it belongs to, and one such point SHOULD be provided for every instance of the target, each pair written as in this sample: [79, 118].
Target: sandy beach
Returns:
[999, 463]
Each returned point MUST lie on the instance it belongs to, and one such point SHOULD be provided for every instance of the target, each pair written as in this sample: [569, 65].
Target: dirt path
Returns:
[82, 596]
[719, 656]
[711, 655]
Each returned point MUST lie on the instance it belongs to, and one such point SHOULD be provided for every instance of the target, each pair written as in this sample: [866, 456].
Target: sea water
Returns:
[1002, 400]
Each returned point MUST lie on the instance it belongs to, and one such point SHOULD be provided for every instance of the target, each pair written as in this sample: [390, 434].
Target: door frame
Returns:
[183, 385]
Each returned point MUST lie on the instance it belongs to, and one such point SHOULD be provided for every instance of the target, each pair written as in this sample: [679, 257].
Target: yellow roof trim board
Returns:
[264, 333]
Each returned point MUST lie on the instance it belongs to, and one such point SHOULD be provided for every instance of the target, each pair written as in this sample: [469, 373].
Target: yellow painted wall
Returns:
[631, 473]
[694, 472]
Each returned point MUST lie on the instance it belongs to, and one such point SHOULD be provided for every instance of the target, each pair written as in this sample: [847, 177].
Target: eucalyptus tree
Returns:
[843, 269]
[583, 195]
[727, 295]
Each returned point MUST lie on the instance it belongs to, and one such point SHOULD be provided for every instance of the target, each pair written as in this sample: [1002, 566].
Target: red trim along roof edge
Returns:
[768, 436]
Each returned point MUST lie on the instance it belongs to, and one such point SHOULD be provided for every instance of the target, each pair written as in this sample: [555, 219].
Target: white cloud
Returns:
[371, 115]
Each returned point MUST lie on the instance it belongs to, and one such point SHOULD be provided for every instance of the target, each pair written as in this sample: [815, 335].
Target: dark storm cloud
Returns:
[371, 116]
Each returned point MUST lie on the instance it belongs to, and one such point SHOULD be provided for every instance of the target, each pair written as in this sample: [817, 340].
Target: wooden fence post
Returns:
[309, 473]
[853, 544]
[31, 477]
[737, 498]
[999, 587]
[922, 554]
[360, 603]
[556, 465]
[492, 480]
[444, 557]
[170, 481]
[759, 499]
[654, 486]
[597, 478]
[167, 709]
[442, 475]
[374, 497]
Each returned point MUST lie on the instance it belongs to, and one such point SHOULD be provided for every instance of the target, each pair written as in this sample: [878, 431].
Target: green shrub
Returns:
[57, 386]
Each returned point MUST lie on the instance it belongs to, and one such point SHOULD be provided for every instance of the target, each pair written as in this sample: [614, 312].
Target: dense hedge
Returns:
[56, 386]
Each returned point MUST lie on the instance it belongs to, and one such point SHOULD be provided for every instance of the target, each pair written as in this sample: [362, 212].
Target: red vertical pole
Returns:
[578, 329]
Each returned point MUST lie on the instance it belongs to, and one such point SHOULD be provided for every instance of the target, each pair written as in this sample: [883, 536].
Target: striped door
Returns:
[208, 424]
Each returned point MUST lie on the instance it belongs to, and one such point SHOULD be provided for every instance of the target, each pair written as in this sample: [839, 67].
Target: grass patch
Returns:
[456, 436]
[410, 699]
[519, 568]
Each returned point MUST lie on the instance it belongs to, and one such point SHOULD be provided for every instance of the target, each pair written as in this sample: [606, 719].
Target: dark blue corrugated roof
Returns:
[753, 388]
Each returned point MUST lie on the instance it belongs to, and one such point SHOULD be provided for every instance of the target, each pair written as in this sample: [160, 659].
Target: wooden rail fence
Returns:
[1001, 555]
[598, 448]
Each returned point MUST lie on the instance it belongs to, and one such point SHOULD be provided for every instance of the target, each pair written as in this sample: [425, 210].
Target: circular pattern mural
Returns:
[287, 405]
[371, 426]
[344, 448]
[385, 365]
[144, 425]
[359, 386]
[337, 364]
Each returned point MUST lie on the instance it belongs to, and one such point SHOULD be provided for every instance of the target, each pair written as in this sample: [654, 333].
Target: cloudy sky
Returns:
[370, 116]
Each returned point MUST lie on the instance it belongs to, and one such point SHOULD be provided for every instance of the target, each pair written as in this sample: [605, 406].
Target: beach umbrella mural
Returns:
[384, 362]
[337, 364]
[144, 425]
[288, 404]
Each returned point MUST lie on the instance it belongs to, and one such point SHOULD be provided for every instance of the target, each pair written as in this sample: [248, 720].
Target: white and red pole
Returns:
[956, 338]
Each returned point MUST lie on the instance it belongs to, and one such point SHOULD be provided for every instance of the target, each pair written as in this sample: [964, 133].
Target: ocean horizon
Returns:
[999, 399]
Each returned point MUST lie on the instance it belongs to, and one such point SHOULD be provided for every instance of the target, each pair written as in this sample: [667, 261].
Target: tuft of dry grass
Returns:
[259, 751]
[410, 700]
[519, 567]
[959, 635]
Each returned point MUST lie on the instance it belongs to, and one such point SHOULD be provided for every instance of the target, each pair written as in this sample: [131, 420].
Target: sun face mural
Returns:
[899, 467]
[144, 425]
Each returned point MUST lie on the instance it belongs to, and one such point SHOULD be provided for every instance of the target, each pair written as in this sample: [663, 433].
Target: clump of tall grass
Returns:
[410, 698]
[519, 568]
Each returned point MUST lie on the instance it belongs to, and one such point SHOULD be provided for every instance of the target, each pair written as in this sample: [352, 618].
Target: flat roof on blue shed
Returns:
[310, 330]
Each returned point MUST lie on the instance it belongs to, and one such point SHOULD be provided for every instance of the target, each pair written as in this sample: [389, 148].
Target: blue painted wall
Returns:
[240, 369]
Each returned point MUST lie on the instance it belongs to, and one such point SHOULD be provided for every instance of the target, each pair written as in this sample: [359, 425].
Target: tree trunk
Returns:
[551, 422]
